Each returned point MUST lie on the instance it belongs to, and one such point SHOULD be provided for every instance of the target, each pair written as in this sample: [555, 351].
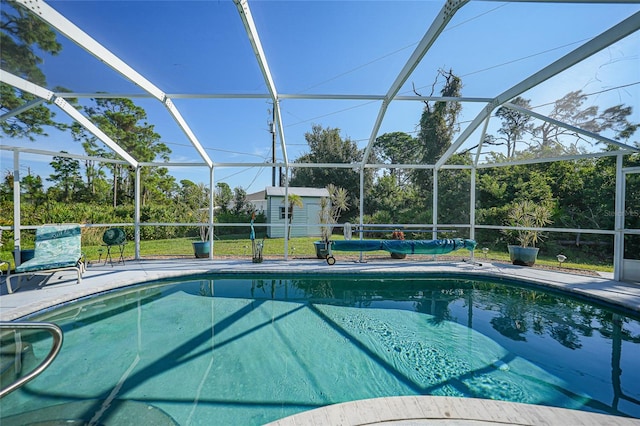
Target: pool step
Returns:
[92, 411]
[14, 353]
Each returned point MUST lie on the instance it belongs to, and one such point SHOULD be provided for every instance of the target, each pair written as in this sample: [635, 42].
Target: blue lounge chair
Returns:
[57, 248]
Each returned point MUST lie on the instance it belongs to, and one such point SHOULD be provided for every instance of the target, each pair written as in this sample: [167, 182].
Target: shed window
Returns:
[282, 209]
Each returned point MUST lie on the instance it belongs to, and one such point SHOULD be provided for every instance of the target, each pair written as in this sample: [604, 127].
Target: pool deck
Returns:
[62, 287]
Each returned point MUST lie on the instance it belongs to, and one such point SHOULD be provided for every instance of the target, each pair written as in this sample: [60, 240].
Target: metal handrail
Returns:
[57, 335]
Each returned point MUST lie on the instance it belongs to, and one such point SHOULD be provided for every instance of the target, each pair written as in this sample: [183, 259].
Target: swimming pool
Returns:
[249, 349]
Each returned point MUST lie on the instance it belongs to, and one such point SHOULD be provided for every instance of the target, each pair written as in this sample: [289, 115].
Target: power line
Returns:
[387, 55]
[302, 121]
[260, 170]
[525, 57]
[216, 149]
[594, 93]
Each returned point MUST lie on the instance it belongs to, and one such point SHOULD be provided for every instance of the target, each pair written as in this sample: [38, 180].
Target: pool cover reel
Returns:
[441, 246]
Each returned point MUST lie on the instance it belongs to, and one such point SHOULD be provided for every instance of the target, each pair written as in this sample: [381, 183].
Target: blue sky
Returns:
[324, 47]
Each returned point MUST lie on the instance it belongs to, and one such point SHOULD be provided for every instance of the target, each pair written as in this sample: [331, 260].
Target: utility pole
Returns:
[272, 129]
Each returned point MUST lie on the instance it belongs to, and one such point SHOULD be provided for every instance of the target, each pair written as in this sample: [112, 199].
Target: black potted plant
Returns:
[527, 214]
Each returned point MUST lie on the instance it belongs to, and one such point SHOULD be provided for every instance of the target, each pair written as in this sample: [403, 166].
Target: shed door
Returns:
[313, 210]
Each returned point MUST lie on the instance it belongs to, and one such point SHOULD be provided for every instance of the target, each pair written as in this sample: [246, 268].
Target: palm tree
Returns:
[294, 201]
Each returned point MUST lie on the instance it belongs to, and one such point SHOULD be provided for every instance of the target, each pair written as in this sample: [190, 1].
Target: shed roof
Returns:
[279, 191]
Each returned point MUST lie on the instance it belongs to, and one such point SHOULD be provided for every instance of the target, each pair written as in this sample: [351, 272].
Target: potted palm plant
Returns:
[201, 248]
[527, 214]
[330, 210]
[199, 198]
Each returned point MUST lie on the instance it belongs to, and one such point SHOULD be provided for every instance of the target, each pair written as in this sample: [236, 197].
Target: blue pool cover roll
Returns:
[441, 246]
[357, 245]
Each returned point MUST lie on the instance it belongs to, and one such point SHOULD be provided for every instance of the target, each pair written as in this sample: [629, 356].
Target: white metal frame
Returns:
[448, 10]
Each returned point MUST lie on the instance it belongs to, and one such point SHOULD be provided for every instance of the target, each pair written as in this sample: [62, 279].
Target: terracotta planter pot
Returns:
[398, 235]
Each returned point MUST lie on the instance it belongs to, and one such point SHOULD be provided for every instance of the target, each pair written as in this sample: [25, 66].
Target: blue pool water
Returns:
[241, 350]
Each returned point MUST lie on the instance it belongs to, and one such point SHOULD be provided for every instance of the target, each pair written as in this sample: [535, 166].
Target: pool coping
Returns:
[448, 411]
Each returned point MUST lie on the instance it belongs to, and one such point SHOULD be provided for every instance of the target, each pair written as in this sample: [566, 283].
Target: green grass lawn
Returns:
[545, 260]
[178, 247]
[298, 248]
